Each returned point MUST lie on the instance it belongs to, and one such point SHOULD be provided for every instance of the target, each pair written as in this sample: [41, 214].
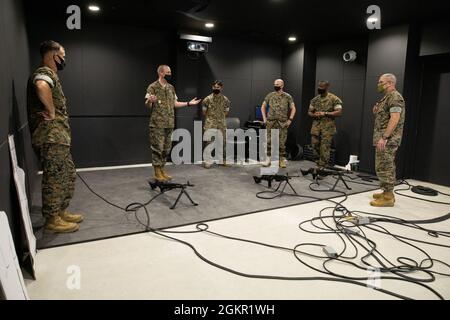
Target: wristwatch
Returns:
[385, 138]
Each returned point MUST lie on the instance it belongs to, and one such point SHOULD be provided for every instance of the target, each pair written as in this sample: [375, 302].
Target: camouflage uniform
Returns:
[52, 141]
[393, 102]
[323, 129]
[216, 108]
[279, 106]
[162, 121]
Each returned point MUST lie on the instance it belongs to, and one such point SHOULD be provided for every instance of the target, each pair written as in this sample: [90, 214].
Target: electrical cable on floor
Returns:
[135, 207]
[404, 265]
[411, 187]
[400, 269]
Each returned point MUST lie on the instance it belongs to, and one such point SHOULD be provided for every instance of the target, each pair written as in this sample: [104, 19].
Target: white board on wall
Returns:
[19, 179]
[11, 280]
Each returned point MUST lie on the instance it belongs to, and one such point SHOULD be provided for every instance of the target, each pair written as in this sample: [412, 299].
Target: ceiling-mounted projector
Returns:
[197, 47]
[196, 43]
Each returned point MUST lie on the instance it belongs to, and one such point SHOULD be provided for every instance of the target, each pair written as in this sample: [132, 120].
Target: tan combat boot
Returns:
[165, 175]
[71, 217]
[377, 196]
[267, 163]
[57, 225]
[386, 201]
[158, 175]
[283, 164]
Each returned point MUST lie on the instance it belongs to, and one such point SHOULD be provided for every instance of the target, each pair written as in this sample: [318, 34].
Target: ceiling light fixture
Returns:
[209, 25]
[292, 39]
[94, 8]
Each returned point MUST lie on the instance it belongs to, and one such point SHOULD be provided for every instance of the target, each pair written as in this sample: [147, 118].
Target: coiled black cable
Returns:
[406, 265]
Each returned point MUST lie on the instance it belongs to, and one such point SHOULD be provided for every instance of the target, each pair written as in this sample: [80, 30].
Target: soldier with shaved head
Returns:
[280, 117]
[387, 137]
[162, 100]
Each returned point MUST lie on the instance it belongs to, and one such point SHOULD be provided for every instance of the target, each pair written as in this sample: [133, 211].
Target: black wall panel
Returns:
[259, 91]
[348, 82]
[247, 70]
[329, 64]
[349, 126]
[387, 53]
[14, 66]
[228, 59]
[110, 141]
[435, 39]
[108, 67]
[5, 76]
[292, 73]
[266, 62]
[6, 187]
[432, 156]
[240, 93]
[292, 70]
[187, 74]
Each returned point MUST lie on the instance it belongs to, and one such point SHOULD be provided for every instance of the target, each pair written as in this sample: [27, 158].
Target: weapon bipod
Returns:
[169, 186]
[340, 175]
[278, 178]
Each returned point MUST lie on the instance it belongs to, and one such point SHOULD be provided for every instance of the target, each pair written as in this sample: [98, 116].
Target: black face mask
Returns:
[277, 89]
[60, 65]
[168, 77]
[321, 91]
[216, 91]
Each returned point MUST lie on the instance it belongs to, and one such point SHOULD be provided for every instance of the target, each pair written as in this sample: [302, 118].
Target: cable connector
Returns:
[330, 252]
[362, 221]
[350, 218]
[351, 232]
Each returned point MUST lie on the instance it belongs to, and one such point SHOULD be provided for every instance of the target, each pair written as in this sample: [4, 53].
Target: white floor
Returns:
[150, 267]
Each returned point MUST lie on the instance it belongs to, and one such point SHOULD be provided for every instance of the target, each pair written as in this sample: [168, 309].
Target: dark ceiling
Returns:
[268, 20]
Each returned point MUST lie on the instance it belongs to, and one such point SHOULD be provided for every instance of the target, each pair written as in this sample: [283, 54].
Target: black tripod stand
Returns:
[277, 178]
[168, 186]
[340, 177]
[318, 173]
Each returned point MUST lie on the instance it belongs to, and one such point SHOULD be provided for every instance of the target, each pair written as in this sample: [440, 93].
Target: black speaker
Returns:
[293, 149]
[308, 154]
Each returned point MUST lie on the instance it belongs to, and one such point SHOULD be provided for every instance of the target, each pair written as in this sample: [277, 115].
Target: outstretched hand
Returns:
[194, 102]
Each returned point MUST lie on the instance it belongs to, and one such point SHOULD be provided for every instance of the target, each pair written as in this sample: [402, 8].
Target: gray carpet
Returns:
[220, 193]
